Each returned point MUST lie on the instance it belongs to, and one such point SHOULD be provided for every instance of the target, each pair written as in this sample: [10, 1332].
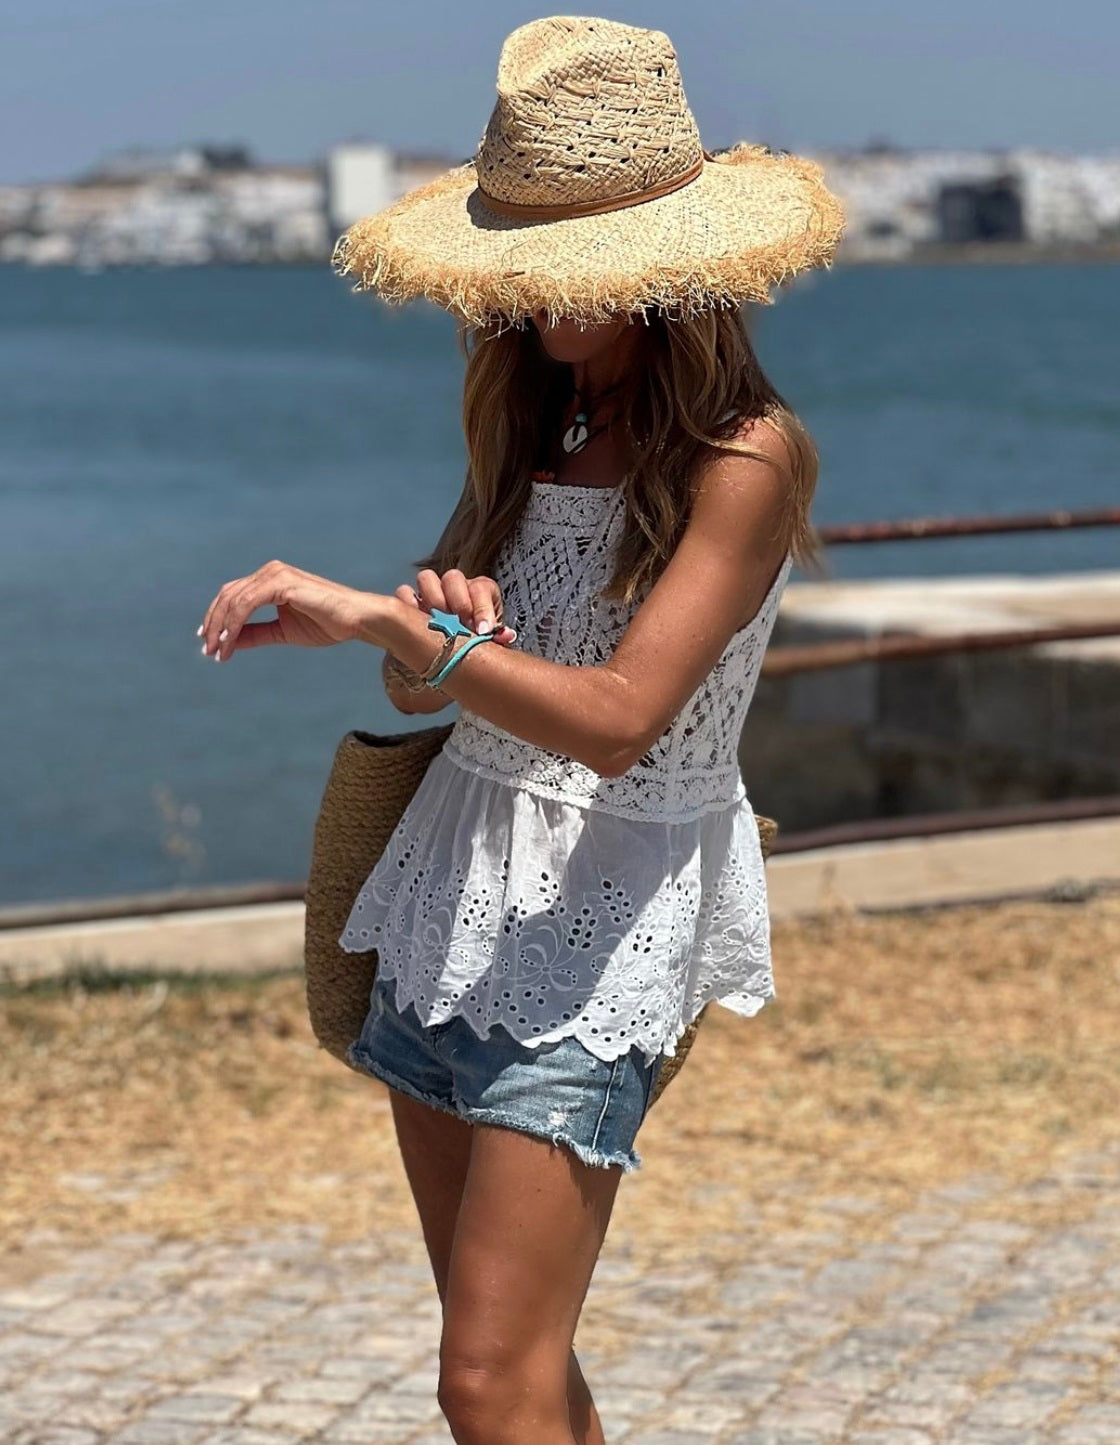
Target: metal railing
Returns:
[789, 660]
[778, 662]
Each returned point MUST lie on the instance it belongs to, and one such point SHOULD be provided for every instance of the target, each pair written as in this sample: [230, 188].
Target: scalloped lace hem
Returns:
[735, 999]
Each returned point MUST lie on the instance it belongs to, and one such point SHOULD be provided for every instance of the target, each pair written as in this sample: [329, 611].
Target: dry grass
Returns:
[903, 1052]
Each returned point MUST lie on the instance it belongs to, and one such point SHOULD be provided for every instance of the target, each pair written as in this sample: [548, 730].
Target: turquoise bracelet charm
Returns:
[451, 626]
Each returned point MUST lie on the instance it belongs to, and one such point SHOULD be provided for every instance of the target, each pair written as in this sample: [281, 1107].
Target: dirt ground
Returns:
[903, 1051]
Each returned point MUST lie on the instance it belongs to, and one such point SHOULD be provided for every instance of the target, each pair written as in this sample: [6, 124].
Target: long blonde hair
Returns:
[694, 383]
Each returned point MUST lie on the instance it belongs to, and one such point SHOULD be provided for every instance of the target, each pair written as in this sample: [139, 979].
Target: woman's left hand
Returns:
[311, 611]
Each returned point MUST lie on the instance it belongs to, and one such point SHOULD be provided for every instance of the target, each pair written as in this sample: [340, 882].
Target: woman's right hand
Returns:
[476, 601]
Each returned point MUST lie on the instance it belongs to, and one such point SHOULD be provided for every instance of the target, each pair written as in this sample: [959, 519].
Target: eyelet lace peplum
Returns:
[522, 889]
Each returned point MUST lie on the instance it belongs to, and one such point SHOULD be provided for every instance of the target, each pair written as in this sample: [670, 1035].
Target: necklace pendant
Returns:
[575, 438]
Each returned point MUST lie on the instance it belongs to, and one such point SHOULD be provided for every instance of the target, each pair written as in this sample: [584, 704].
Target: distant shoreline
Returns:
[925, 254]
[986, 253]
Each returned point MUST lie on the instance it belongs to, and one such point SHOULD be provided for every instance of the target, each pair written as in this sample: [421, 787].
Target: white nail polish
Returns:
[204, 649]
[223, 634]
[484, 627]
[199, 632]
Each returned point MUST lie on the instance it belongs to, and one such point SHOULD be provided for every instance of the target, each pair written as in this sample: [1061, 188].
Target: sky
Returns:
[81, 79]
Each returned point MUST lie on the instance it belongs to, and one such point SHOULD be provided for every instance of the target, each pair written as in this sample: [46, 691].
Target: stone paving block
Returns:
[423, 1381]
[43, 1294]
[403, 1413]
[26, 1406]
[238, 1385]
[673, 1437]
[743, 1386]
[101, 1358]
[1089, 1427]
[244, 1435]
[384, 1434]
[889, 1435]
[846, 1279]
[302, 1419]
[931, 1415]
[76, 1317]
[359, 1367]
[55, 1435]
[768, 1435]
[319, 1390]
[698, 1413]
[964, 1191]
[826, 1422]
[59, 1383]
[159, 1432]
[1000, 1435]
[95, 1413]
[923, 1386]
[209, 1409]
[1071, 1340]
[25, 1348]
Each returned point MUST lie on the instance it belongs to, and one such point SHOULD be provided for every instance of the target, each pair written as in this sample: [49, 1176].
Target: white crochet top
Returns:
[522, 888]
[550, 578]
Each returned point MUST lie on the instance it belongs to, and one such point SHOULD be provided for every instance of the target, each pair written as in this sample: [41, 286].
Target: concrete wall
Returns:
[924, 735]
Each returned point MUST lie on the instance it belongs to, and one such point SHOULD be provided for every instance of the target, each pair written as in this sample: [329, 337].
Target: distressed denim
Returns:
[558, 1091]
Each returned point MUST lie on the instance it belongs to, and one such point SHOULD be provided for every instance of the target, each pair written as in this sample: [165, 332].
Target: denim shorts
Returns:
[558, 1090]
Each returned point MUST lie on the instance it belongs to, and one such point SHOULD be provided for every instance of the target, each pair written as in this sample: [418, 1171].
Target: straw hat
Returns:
[592, 194]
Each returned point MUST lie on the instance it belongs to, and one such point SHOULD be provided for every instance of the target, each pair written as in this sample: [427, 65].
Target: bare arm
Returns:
[607, 716]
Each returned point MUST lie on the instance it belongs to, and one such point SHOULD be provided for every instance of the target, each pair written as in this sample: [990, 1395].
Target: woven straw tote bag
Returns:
[371, 781]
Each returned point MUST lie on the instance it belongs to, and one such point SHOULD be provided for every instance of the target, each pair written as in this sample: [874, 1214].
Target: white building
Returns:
[360, 179]
[1068, 198]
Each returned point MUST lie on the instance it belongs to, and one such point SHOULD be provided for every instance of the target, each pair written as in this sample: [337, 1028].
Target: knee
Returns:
[490, 1402]
[470, 1395]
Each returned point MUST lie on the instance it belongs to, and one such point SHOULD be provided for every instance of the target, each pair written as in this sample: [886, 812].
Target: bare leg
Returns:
[531, 1222]
[435, 1150]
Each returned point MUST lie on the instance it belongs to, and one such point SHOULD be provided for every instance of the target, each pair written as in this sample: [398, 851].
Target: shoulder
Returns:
[737, 494]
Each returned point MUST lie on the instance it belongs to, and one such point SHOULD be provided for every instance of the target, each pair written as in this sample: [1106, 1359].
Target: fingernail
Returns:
[485, 626]
[204, 649]
[223, 634]
[199, 632]
[218, 655]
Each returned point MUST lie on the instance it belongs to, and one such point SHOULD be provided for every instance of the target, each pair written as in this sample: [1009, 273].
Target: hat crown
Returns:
[588, 110]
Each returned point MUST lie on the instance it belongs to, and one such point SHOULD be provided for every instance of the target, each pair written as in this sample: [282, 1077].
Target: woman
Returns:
[579, 871]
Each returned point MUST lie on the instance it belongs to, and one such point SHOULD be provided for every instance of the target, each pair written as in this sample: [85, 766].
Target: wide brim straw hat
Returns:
[591, 194]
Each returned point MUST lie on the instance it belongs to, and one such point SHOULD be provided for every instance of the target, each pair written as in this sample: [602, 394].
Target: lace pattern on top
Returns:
[551, 572]
[502, 906]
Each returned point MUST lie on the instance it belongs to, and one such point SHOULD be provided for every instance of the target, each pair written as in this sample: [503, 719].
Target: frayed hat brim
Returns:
[751, 220]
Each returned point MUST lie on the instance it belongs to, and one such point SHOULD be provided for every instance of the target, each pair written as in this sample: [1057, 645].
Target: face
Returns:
[574, 341]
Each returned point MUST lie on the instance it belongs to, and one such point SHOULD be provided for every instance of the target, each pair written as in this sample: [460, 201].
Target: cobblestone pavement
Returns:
[950, 1327]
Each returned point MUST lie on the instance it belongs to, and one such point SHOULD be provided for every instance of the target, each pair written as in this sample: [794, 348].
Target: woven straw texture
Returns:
[591, 112]
[372, 778]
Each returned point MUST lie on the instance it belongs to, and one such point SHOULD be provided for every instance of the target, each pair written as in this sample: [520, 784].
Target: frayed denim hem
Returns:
[597, 1158]
[368, 1065]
